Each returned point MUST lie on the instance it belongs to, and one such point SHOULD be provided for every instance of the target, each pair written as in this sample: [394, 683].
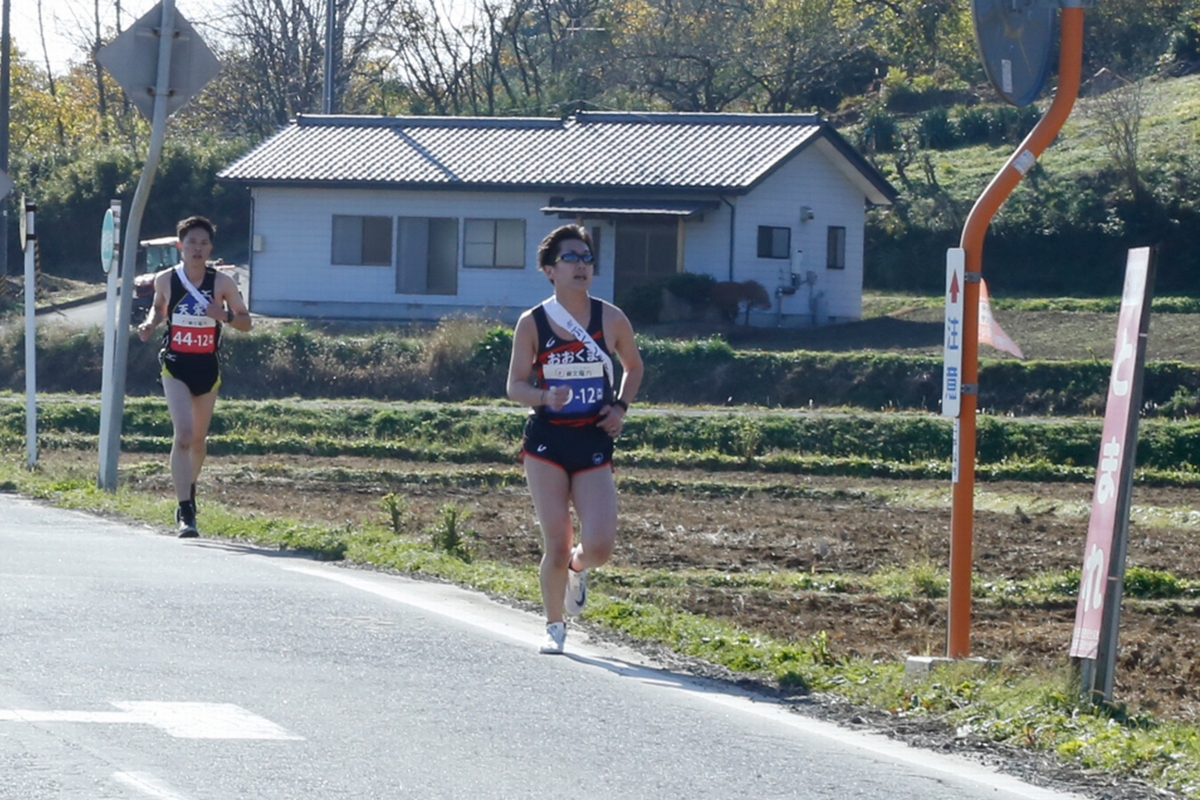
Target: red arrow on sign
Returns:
[954, 288]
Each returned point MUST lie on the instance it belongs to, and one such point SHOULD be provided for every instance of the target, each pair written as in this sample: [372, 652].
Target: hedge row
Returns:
[297, 362]
[490, 434]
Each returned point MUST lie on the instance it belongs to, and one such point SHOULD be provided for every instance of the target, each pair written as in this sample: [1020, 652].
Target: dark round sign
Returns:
[1015, 40]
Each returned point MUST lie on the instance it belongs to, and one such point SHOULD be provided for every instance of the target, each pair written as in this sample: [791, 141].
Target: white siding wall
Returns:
[809, 179]
[706, 244]
[293, 273]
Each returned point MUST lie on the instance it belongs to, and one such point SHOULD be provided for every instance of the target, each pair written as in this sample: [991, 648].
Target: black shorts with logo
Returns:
[202, 375]
[575, 449]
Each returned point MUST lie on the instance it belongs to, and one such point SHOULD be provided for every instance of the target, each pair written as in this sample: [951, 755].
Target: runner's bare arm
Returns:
[228, 306]
[520, 369]
[158, 308]
[631, 360]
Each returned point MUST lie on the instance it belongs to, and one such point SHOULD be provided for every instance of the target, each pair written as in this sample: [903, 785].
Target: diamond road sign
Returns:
[132, 60]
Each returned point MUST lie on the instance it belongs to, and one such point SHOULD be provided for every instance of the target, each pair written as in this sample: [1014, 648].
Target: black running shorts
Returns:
[202, 375]
[574, 449]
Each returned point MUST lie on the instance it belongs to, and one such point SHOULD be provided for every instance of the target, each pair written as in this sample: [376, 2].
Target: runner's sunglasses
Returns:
[572, 258]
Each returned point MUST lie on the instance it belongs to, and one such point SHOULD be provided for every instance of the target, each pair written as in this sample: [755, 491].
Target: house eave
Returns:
[558, 188]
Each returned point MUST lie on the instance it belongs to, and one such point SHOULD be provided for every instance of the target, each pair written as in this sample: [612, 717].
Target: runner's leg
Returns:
[595, 498]
[179, 404]
[202, 413]
[551, 491]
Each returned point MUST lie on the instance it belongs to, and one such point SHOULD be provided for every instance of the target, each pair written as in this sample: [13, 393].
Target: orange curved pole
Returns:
[1070, 63]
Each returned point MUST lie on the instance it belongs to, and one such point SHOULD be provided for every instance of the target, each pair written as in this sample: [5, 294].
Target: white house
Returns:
[420, 217]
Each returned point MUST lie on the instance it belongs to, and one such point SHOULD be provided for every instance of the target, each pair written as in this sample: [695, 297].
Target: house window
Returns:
[835, 247]
[427, 255]
[365, 241]
[494, 243]
[774, 242]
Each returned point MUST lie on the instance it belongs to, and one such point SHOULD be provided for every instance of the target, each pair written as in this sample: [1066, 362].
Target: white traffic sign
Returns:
[108, 241]
[952, 357]
[132, 60]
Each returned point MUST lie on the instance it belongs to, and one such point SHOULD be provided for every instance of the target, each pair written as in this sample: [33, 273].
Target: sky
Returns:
[66, 23]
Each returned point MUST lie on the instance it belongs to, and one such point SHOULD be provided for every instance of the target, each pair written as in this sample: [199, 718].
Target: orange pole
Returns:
[1070, 61]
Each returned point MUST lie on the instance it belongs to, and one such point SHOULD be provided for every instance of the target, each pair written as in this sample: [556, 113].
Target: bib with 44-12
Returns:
[191, 330]
[584, 380]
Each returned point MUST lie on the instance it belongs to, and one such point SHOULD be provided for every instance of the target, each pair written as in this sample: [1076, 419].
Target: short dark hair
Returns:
[548, 249]
[184, 225]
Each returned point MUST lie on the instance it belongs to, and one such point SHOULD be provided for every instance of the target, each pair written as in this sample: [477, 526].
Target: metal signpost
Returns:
[1004, 30]
[6, 187]
[160, 62]
[29, 244]
[1097, 614]
[110, 248]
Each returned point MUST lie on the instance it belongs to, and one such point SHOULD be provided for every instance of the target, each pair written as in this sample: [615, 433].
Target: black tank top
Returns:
[190, 334]
[568, 363]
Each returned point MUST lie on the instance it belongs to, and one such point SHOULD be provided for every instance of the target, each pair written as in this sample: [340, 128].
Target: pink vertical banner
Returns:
[1097, 551]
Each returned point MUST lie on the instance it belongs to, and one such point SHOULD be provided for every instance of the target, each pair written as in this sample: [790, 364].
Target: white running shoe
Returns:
[576, 596]
[556, 637]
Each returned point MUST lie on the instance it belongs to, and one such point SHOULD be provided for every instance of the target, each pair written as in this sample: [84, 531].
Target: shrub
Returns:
[449, 533]
[935, 131]
[879, 132]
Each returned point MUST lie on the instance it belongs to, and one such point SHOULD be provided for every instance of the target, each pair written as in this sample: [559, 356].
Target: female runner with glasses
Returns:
[562, 367]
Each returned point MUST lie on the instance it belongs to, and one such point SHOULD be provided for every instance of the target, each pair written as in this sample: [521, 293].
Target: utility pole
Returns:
[5, 73]
[330, 62]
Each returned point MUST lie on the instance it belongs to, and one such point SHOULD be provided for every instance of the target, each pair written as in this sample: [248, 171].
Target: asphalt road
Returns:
[136, 665]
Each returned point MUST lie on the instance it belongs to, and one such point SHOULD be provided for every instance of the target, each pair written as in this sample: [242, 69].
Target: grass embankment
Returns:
[468, 358]
[864, 445]
[1006, 705]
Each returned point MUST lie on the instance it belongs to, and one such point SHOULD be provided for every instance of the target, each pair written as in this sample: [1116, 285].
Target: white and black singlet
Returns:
[570, 437]
[191, 341]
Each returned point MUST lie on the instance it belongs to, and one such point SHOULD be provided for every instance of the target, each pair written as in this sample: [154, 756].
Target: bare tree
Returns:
[278, 49]
[52, 85]
[436, 58]
[97, 44]
[688, 53]
[1120, 112]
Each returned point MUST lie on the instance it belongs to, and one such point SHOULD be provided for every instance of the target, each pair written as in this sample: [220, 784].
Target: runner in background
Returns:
[562, 367]
[195, 300]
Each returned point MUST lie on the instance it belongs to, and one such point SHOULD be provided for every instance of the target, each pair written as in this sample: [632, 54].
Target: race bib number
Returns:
[585, 382]
[193, 334]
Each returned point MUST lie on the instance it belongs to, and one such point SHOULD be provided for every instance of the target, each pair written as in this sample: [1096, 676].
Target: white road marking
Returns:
[181, 720]
[148, 785]
[477, 610]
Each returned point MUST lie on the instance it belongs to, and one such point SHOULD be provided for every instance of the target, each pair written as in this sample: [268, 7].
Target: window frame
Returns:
[336, 253]
[835, 247]
[770, 239]
[496, 243]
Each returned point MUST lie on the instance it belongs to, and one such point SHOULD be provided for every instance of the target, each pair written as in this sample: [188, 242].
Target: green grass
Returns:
[1001, 705]
[862, 444]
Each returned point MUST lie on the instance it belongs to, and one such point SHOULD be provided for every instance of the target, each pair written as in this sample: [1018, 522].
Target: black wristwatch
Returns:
[229, 316]
[621, 403]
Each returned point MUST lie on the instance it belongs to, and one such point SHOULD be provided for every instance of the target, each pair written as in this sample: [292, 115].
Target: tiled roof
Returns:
[602, 151]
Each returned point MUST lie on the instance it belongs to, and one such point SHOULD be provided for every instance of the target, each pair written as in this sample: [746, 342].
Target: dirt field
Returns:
[853, 532]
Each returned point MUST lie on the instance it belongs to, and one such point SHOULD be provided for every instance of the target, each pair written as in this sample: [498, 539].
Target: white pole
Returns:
[30, 337]
[158, 132]
[111, 332]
